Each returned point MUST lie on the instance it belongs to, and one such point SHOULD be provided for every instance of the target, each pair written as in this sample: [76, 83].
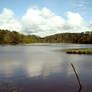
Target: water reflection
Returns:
[36, 61]
[43, 62]
[8, 67]
[33, 63]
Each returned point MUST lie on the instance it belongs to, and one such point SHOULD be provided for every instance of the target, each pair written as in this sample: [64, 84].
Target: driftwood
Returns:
[78, 79]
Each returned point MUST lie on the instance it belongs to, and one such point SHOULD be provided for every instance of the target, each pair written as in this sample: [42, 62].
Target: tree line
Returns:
[8, 37]
[82, 38]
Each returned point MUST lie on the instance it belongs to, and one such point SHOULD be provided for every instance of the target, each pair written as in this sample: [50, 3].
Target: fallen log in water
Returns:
[77, 76]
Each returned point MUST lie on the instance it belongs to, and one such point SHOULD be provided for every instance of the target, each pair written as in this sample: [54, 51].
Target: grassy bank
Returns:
[79, 51]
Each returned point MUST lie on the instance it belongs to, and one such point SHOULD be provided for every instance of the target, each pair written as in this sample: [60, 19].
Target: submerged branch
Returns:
[77, 76]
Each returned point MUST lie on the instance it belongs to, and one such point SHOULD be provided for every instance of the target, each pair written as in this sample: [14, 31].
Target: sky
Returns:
[46, 17]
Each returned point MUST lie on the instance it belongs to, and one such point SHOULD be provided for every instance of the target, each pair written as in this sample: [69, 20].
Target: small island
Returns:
[79, 51]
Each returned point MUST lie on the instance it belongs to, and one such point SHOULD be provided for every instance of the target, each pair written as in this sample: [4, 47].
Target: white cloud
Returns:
[74, 19]
[7, 21]
[75, 23]
[42, 22]
[91, 22]
[33, 6]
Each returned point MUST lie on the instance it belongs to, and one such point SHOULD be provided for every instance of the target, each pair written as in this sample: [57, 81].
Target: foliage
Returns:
[82, 38]
[8, 37]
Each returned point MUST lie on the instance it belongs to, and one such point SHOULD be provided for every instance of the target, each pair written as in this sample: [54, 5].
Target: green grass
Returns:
[79, 51]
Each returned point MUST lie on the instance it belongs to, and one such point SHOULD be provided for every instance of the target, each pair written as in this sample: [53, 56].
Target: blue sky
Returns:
[65, 10]
[59, 7]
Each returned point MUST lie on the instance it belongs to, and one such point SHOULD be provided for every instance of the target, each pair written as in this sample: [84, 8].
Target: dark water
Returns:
[43, 68]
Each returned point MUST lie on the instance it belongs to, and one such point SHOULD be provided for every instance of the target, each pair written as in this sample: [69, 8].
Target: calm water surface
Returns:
[44, 68]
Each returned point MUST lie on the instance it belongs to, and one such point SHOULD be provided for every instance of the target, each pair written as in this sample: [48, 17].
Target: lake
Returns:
[44, 68]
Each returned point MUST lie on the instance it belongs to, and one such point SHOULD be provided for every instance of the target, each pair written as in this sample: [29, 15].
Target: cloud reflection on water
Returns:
[38, 61]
